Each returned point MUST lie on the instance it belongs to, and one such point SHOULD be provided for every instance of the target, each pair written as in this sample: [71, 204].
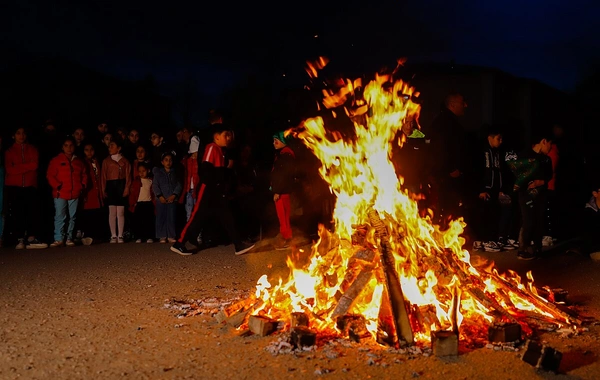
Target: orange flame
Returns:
[437, 278]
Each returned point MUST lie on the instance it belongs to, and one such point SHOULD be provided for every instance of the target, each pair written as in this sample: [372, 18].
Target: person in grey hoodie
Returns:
[167, 189]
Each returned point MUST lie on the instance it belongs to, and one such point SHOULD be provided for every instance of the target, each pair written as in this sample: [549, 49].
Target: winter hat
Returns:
[194, 144]
[281, 137]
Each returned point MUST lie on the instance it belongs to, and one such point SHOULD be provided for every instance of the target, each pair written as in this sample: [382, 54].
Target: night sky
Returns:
[556, 42]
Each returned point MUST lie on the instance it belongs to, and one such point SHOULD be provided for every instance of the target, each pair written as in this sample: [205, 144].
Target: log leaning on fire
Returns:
[348, 298]
[399, 310]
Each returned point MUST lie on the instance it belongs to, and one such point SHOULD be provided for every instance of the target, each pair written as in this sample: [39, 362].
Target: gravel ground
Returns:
[98, 312]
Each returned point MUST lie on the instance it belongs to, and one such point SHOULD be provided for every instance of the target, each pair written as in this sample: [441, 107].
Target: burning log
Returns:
[540, 303]
[353, 326]
[262, 326]
[399, 310]
[348, 298]
[299, 319]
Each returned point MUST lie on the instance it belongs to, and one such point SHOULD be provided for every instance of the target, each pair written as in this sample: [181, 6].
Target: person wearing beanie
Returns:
[282, 185]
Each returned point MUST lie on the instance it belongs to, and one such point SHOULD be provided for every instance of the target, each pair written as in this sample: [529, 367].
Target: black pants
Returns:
[22, 211]
[143, 224]
[494, 218]
[532, 220]
[210, 207]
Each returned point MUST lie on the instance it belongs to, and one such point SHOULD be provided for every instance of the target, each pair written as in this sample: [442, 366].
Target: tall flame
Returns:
[431, 264]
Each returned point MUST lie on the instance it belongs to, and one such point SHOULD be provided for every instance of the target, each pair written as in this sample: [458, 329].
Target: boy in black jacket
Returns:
[212, 202]
[494, 202]
[532, 197]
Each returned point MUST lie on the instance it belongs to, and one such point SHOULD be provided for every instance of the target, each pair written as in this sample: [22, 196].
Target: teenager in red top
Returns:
[212, 203]
[21, 165]
[67, 177]
[192, 180]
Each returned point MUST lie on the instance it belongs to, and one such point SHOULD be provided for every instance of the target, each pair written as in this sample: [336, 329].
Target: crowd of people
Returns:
[117, 186]
[510, 200]
[113, 186]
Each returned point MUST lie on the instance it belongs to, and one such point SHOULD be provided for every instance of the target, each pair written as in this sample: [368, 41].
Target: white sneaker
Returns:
[477, 246]
[70, 243]
[547, 241]
[57, 243]
[87, 241]
[20, 244]
[150, 241]
[171, 240]
[492, 246]
[113, 239]
[120, 240]
[162, 240]
[138, 241]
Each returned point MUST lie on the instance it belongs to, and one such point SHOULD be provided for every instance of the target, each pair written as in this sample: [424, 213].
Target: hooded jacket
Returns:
[67, 177]
[93, 196]
[491, 169]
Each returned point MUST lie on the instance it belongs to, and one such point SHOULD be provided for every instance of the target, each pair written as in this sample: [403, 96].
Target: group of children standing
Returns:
[84, 187]
[137, 194]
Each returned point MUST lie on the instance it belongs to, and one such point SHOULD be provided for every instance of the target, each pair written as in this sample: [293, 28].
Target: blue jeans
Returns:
[61, 206]
[190, 202]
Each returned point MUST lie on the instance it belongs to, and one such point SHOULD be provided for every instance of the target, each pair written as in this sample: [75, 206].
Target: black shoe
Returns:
[242, 248]
[181, 249]
[523, 255]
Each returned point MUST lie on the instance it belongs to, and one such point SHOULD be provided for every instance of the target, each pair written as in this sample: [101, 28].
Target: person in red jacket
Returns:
[67, 177]
[92, 215]
[21, 165]
[141, 205]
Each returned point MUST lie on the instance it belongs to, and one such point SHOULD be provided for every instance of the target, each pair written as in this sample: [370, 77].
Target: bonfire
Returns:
[385, 271]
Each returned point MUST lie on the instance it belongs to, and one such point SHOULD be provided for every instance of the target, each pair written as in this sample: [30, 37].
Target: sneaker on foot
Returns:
[242, 248]
[20, 244]
[477, 246]
[138, 241]
[283, 244]
[162, 240]
[150, 241]
[181, 249]
[547, 241]
[113, 239]
[70, 243]
[57, 243]
[525, 255]
[35, 244]
[171, 240]
[512, 243]
[492, 246]
[120, 240]
[87, 241]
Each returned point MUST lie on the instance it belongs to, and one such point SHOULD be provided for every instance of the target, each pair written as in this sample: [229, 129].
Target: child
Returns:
[211, 201]
[141, 205]
[531, 187]
[494, 203]
[21, 165]
[93, 199]
[116, 182]
[141, 155]
[167, 188]
[282, 185]
[67, 176]
[190, 184]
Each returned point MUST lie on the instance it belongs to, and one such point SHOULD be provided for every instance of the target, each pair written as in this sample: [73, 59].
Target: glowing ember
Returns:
[346, 275]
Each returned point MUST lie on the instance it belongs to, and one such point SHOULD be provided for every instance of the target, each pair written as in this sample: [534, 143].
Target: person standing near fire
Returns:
[449, 157]
[282, 185]
[211, 202]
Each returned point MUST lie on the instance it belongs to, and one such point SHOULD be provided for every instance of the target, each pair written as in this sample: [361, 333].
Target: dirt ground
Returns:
[98, 312]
